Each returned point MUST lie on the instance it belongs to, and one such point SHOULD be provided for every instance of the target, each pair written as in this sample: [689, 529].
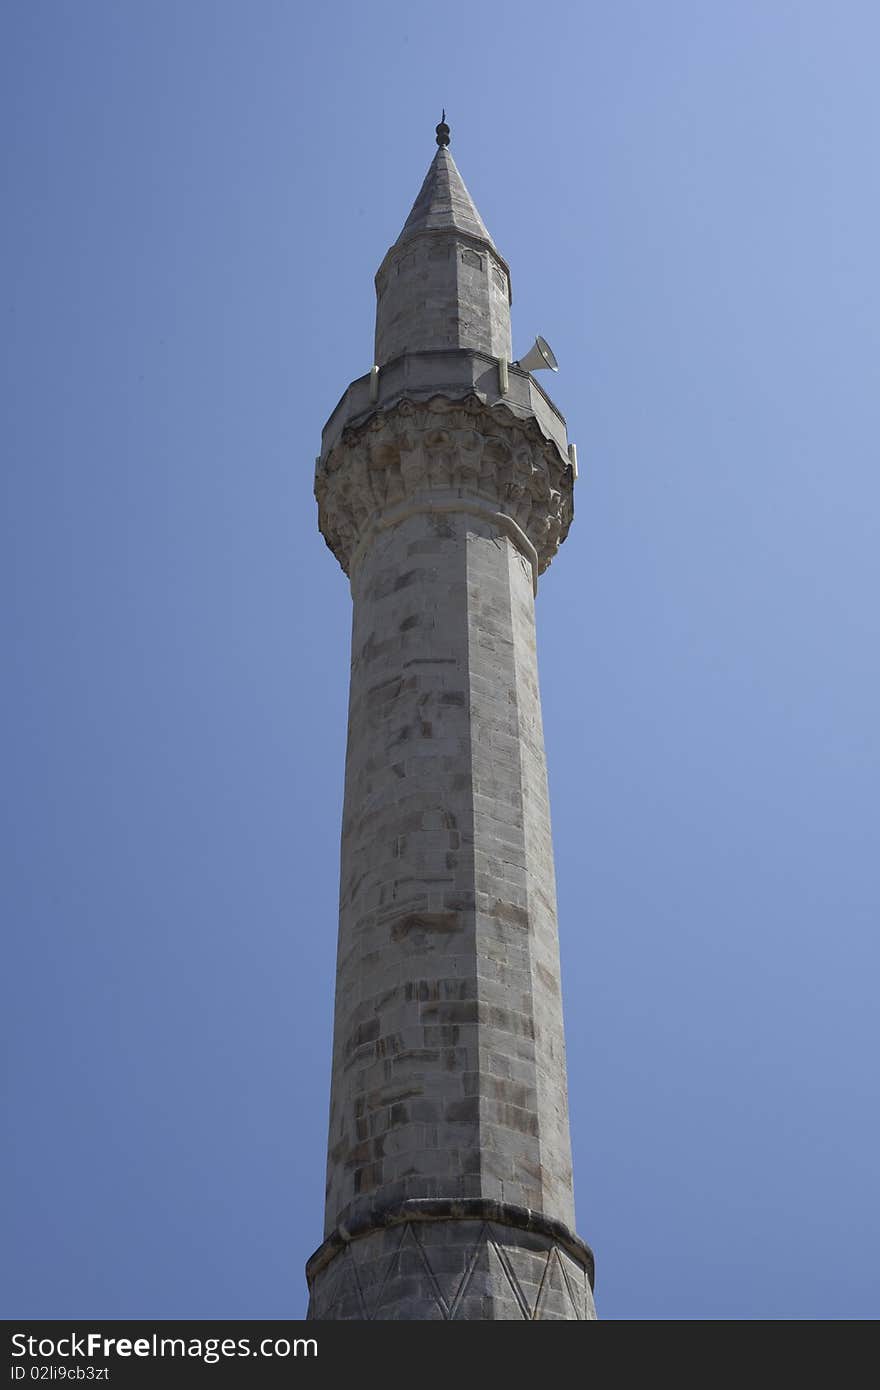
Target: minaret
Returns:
[444, 489]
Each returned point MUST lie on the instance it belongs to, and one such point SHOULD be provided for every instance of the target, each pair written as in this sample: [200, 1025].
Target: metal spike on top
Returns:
[443, 131]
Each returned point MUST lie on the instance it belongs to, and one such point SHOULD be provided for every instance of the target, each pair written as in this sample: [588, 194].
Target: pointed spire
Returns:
[442, 284]
[444, 203]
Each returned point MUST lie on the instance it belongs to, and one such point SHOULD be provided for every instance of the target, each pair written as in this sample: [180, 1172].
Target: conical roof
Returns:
[444, 203]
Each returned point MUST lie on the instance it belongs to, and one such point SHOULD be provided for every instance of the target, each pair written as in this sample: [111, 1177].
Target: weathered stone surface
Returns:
[453, 1271]
[443, 204]
[443, 283]
[445, 456]
[452, 374]
[449, 1061]
[443, 502]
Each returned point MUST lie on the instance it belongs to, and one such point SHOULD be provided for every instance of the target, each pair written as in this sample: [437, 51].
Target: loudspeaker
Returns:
[539, 358]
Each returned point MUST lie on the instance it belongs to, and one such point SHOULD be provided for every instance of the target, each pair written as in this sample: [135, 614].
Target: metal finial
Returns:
[443, 131]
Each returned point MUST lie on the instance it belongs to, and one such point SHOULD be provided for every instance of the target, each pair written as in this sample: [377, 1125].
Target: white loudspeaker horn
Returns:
[539, 358]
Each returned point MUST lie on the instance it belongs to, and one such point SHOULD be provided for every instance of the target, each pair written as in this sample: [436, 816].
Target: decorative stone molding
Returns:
[455, 1260]
[480, 1209]
[445, 455]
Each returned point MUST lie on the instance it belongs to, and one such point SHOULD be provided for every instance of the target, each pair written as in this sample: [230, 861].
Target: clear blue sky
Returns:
[197, 196]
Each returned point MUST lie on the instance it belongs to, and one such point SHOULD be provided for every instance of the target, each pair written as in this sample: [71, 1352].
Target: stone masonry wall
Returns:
[449, 1063]
[449, 1077]
[442, 290]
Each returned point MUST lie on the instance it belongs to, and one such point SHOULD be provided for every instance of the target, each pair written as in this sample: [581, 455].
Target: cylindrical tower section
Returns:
[449, 1184]
[442, 289]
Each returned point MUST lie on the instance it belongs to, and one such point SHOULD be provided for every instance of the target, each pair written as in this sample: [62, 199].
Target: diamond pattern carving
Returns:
[454, 1271]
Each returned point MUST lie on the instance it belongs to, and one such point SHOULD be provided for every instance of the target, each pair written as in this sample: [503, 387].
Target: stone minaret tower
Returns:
[444, 489]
